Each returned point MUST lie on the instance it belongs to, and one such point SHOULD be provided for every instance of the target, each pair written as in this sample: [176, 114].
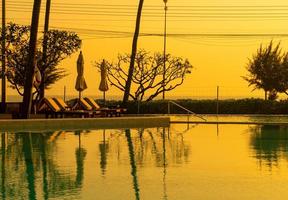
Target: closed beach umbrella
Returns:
[80, 81]
[103, 84]
[37, 78]
[36, 83]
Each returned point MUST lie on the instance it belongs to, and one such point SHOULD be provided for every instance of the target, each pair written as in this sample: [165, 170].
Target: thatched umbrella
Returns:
[103, 84]
[80, 81]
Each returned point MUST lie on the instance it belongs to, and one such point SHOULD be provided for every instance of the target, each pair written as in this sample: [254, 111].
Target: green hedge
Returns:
[231, 106]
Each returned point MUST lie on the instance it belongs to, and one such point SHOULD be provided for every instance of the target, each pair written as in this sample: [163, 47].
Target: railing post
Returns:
[217, 101]
[138, 106]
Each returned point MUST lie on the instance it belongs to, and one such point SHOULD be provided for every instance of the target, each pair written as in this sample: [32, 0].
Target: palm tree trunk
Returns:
[45, 40]
[3, 98]
[30, 67]
[133, 54]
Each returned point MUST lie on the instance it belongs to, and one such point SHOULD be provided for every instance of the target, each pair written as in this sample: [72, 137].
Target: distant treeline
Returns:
[231, 106]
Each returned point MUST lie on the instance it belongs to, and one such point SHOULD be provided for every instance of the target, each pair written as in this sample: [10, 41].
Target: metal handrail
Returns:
[187, 110]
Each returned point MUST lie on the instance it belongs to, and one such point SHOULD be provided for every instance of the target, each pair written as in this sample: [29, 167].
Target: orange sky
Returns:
[217, 60]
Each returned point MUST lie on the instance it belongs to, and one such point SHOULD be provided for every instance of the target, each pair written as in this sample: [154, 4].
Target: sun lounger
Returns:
[109, 111]
[51, 108]
[105, 112]
[62, 104]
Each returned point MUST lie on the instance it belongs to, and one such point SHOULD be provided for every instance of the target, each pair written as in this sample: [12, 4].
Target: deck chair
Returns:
[109, 111]
[83, 104]
[51, 108]
[62, 104]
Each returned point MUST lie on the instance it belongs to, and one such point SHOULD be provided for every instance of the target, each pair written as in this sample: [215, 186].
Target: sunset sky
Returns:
[218, 59]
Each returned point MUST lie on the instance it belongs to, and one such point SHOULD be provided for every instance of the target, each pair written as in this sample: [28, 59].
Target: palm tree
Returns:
[3, 98]
[46, 27]
[27, 98]
[133, 53]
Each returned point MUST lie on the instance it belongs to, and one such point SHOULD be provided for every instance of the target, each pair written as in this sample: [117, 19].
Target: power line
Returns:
[207, 8]
[172, 6]
[196, 15]
[211, 35]
[196, 12]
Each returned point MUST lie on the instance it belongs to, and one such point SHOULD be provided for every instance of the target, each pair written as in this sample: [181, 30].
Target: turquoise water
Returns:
[182, 162]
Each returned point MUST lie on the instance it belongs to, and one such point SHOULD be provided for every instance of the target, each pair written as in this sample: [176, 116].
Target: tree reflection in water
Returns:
[25, 158]
[133, 164]
[270, 144]
[31, 159]
[44, 166]
[3, 170]
[30, 172]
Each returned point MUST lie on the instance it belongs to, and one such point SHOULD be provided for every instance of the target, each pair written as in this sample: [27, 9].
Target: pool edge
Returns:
[86, 123]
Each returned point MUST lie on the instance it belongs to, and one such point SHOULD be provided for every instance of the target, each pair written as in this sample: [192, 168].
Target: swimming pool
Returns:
[181, 162]
[245, 119]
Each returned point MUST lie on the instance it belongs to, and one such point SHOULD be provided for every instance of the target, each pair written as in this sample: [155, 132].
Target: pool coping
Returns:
[83, 123]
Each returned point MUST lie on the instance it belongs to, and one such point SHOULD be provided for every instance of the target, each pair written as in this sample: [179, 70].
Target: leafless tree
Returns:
[147, 77]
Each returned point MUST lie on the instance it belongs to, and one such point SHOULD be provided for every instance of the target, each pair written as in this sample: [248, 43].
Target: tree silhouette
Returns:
[60, 45]
[147, 75]
[133, 54]
[265, 70]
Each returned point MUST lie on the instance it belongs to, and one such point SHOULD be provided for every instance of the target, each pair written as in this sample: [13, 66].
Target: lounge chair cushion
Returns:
[51, 104]
[85, 105]
[61, 103]
[92, 103]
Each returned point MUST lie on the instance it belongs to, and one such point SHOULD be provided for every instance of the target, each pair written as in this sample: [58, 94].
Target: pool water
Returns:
[232, 118]
[181, 162]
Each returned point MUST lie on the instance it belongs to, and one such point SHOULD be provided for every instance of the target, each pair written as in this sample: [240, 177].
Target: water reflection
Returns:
[270, 144]
[165, 196]
[33, 159]
[80, 156]
[3, 155]
[43, 155]
[103, 148]
[28, 156]
[133, 164]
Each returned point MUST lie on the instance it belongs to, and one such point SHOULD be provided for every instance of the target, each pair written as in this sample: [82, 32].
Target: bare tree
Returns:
[148, 74]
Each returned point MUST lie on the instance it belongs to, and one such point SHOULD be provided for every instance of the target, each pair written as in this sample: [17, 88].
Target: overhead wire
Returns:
[221, 13]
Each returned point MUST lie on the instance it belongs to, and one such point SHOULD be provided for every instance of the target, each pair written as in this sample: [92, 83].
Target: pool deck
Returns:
[83, 123]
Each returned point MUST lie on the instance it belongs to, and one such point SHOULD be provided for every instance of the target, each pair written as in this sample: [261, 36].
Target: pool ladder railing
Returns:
[189, 112]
